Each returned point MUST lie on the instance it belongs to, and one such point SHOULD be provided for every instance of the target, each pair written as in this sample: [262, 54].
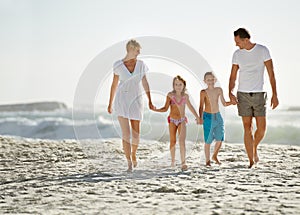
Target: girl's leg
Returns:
[207, 153]
[124, 124]
[172, 131]
[135, 125]
[182, 136]
[216, 151]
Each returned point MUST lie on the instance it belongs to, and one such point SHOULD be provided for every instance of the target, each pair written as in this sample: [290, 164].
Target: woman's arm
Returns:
[113, 88]
[147, 90]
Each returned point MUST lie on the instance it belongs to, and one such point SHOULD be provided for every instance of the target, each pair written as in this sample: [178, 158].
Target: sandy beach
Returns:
[88, 177]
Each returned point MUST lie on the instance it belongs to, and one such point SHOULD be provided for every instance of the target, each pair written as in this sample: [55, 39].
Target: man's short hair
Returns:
[242, 33]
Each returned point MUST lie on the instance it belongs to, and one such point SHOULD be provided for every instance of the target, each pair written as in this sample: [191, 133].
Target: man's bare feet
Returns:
[184, 167]
[208, 163]
[214, 158]
[256, 159]
[251, 164]
[134, 162]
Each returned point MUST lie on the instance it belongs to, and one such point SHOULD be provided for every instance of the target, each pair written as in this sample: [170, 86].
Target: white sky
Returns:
[45, 45]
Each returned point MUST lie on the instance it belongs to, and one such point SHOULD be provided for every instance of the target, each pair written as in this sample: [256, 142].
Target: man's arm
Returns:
[232, 79]
[270, 69]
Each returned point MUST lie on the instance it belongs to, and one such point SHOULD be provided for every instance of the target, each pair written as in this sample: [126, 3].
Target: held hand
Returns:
[151, 106]
[274, 102]
[109, 109]
[201, 121]
[233, 99]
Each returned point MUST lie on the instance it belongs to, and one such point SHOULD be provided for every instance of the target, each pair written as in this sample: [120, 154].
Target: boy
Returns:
[210, 116]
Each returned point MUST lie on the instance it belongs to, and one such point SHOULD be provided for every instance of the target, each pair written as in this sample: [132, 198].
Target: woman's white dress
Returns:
[129, 101]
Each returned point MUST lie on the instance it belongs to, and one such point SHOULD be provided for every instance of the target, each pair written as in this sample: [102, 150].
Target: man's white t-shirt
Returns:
[251, 68]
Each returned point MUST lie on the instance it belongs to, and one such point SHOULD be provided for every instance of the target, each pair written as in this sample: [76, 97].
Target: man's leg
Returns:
[248, 138]
[259, 134]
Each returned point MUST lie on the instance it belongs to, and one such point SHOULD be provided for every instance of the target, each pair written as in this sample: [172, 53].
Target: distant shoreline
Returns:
[33, 106]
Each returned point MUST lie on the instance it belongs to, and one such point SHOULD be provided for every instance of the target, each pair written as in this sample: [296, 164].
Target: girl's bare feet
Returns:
[173, 164]
[184, 167]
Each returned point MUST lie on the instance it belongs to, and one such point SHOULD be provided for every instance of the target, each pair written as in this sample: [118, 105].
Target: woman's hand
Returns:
[109, 109]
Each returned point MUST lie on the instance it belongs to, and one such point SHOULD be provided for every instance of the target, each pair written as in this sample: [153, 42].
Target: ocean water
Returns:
[282, 125]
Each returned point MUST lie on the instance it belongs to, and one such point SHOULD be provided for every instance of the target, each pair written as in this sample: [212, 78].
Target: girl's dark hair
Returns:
[242, 33]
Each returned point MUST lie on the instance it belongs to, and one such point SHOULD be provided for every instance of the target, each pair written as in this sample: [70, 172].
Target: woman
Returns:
[129, 73]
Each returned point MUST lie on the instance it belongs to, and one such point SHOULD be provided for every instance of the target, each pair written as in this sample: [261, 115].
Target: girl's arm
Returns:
[222, 98]
[113, 88]
[201, 106]
[164, 108]
[192, 109]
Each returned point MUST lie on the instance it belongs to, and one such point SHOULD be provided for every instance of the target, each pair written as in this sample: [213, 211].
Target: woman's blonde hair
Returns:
[132, 44]
[179, 78]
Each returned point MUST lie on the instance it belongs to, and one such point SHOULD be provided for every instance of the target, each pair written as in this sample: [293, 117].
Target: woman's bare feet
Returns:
[134, 162]
[173, 164]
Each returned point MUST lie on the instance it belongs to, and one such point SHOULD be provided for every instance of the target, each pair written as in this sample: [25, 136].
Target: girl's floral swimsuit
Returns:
[181, 102]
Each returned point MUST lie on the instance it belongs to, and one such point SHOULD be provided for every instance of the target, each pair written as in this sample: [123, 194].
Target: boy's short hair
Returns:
[209, 73]
[242, 33]
[132, 44]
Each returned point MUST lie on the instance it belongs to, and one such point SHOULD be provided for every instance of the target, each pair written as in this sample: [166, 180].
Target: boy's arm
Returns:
[165, 107]
[201, 106]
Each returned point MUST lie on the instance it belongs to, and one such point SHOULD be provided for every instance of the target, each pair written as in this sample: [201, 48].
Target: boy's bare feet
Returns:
[184, 167]
[214, 158]
[134, 162]
[129, 167]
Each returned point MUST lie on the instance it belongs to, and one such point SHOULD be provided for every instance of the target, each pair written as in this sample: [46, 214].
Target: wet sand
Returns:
[88, 177]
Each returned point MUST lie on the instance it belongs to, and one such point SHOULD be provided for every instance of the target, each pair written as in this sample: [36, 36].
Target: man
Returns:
[250, 61]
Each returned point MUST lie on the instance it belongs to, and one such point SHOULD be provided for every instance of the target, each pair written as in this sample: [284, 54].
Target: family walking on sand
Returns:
[248, 63]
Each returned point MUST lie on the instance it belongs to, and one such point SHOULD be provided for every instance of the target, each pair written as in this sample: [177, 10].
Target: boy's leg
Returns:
[207, 153]
[216, 151]
[124, 124]
[182, 136]
[135, 129]
[172, 132]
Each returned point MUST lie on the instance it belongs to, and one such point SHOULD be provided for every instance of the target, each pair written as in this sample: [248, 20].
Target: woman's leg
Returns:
[172, 131]
[135, 129]
[182, 136]
[124, 124]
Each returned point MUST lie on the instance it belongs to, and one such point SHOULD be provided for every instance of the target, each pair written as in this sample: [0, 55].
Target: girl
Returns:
[177, 100]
